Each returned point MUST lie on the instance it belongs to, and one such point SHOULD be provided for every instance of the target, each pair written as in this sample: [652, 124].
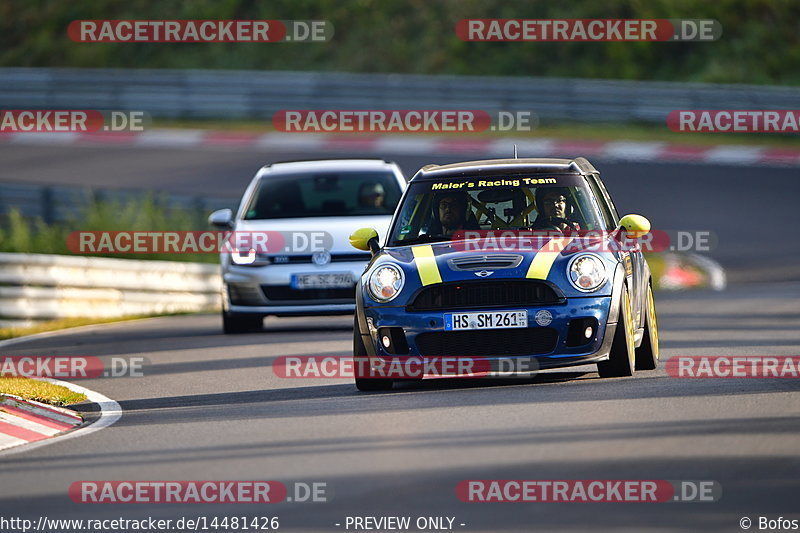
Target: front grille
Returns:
[484, 261]
[487, 343]
[280, 292]
[306, 258]
[482, 294]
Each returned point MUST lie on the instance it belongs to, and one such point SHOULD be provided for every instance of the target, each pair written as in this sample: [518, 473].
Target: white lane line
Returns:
[289, 141]
[397, 144]
[30, 425]
[169, 138]
[525, 147]
[7, 441]
[43, 137]
[633, 151]
[56, 414]
[55, 417]
[110, 412]
[735, 155]
[379, 144]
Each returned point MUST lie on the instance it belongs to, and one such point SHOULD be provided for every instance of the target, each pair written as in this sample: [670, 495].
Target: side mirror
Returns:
[636, 226]
[222, 218]
[365, 239]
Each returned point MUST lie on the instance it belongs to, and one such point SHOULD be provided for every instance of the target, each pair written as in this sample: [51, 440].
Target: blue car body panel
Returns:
[575, 305]
[430, 265]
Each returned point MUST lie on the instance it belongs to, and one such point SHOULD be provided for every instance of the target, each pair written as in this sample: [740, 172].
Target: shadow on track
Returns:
[341, 399]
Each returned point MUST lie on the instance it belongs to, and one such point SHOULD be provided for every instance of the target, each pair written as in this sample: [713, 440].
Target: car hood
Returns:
[453, 263]
[338, 228]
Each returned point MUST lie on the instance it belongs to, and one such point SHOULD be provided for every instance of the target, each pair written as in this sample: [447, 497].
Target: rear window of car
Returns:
[324, 194]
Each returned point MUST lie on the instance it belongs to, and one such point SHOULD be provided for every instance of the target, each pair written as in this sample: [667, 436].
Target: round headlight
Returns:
[587, 272]
[386, 282]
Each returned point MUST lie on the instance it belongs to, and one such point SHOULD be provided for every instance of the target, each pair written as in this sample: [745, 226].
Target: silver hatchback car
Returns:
[311, 208]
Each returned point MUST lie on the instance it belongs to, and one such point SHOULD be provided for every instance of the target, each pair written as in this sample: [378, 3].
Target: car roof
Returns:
[491, 167]
[315, 165]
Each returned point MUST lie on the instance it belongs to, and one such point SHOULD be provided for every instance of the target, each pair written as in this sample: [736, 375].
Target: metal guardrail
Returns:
[238, 94]
[61, 203]
[35, 287]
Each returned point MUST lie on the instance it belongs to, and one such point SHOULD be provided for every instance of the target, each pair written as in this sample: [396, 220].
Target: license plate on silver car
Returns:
[330, 280]
[486, 320]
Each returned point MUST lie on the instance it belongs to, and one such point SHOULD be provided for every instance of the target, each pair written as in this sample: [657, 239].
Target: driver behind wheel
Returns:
[555, 209]
[451, 213]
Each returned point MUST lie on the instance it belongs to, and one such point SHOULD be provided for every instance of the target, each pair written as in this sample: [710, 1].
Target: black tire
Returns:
[241, 323]
[647, 353]
[621, 362]
[361, 364]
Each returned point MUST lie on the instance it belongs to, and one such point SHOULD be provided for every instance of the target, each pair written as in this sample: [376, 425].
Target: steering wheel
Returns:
[554, 223]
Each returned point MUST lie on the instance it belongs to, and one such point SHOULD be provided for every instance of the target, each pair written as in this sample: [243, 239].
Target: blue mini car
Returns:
[517, 264]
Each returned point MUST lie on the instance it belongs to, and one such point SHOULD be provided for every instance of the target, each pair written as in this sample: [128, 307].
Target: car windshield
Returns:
[438, 210]
[324, 194]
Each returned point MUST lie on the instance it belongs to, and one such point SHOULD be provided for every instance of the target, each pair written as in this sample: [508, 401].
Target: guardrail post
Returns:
[48, 211]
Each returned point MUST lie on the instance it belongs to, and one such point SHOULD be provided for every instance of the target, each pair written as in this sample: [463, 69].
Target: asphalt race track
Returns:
[750, 209]
[210, 406]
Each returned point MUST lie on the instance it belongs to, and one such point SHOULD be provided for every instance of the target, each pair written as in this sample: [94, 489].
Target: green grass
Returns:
[40, 391]
[146, 213]
[65, 323]
[758, 46]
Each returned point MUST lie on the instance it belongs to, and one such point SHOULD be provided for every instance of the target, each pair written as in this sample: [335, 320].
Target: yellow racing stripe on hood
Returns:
[426, 264]
[544, 259]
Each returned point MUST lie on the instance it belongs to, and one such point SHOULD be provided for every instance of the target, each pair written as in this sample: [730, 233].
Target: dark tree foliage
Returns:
[760, 42]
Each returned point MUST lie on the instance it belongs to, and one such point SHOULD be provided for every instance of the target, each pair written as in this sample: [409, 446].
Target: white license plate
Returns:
[486, 320]
[331, 280]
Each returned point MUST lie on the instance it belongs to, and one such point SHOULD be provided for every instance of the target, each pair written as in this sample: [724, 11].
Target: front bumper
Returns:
[266, 290]
[561, 352]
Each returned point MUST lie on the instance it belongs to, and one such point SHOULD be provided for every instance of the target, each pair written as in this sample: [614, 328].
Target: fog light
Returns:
[581, 331]
[393, 339]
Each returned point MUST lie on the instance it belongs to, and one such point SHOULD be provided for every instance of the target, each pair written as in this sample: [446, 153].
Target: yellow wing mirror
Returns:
[365, 239]
[636, 226]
